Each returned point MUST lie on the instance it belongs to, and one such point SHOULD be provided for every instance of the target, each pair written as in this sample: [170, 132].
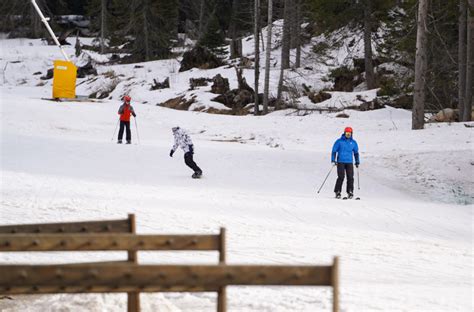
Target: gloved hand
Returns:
[171, 153]
[334, 163]
[357, 165]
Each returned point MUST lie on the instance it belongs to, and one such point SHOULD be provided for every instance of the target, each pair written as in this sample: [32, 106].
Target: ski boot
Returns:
[338, 195]
[197, 175]
[350, 195]
[129, 142]
[119, 142]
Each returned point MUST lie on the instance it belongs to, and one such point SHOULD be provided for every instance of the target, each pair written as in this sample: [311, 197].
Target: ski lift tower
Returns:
[65, 72]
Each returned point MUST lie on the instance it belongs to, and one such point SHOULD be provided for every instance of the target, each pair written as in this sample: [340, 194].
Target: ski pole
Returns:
[138, 137]
[116, 126]
[332, 167]
[358, 180]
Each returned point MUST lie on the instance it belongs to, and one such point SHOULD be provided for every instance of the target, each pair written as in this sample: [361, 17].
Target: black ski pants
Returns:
[125, 124]
[347, 169]
[188, 159]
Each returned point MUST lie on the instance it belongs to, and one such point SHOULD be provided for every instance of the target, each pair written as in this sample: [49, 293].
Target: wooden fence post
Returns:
[335, 284]
[221, 294]
[133, 298]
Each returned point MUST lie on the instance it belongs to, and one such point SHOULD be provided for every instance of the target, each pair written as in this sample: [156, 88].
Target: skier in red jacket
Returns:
[125, 111]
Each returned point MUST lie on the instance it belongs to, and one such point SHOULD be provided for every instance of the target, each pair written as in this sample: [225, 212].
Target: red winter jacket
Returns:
[125, 111]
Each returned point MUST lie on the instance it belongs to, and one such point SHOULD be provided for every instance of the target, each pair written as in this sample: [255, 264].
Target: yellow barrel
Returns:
[64, 80]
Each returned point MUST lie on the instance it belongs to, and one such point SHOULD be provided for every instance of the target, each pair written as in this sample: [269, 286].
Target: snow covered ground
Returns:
[406, 246]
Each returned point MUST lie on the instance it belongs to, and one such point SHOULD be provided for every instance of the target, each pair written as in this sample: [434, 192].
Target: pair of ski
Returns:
[347, 197]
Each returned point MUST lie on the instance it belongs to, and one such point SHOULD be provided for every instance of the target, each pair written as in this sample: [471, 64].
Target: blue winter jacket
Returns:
[344, 148]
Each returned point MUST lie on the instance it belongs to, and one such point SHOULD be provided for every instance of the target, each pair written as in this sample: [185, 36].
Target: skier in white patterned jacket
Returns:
[183, 140]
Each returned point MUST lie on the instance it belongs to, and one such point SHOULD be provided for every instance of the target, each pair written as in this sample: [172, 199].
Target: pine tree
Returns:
[213, 37]
[153, 24]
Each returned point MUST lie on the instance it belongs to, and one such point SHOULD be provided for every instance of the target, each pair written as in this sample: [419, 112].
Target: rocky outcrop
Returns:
[199, 57]
[220, 84]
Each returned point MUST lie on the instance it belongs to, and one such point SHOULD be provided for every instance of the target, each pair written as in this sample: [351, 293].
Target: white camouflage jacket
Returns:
[183, 140]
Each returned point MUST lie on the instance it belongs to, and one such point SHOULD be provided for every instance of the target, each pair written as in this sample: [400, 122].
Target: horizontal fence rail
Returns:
[110, 226]
[37, 279]
[111, 242]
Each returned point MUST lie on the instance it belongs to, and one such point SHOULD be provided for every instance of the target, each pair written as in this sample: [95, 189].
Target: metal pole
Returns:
[332, 167]
[138, 136]
[116, 126]
[45, 21]
[358, 180]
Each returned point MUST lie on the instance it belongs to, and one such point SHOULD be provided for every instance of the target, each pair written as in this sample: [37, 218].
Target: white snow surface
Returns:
[405, 246]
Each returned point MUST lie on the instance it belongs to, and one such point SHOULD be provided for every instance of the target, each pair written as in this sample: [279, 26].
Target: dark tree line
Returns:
[433, 38]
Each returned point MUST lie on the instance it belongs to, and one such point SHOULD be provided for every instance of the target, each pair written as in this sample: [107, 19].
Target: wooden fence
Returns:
[128, 276]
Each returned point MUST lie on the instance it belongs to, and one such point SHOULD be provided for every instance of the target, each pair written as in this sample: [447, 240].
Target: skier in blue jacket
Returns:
[344, 151]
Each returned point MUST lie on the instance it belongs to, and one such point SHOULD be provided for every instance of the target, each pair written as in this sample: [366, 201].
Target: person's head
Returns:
[174, 129]
[127, 99]
[348, 132]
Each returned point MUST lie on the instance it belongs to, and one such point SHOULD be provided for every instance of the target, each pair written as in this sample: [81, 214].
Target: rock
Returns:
[160, 85]
[345, 79]
[37, 73]
[180, 103]
[371, 105]
[403, 101]
[212, 110]
[49, 74]
[85, 70]
[445, 115]
[342, 115]
[220, 84]
[114, 58]
[198, 82]
[319, 97]
[243, 98]
[227, 99]
[199, 57]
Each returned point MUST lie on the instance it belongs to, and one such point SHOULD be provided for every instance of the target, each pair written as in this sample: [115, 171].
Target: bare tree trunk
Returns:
[418, 112]
[145, 32]
[280, 87]
[298, 33]
[369, 66]
[201, 18]
[292, 18]
[103, 14]
[285, 45]
[235, 44]
[267, 57]
[462, 57]
[257, 51]
[467, 116]
[35, 23]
